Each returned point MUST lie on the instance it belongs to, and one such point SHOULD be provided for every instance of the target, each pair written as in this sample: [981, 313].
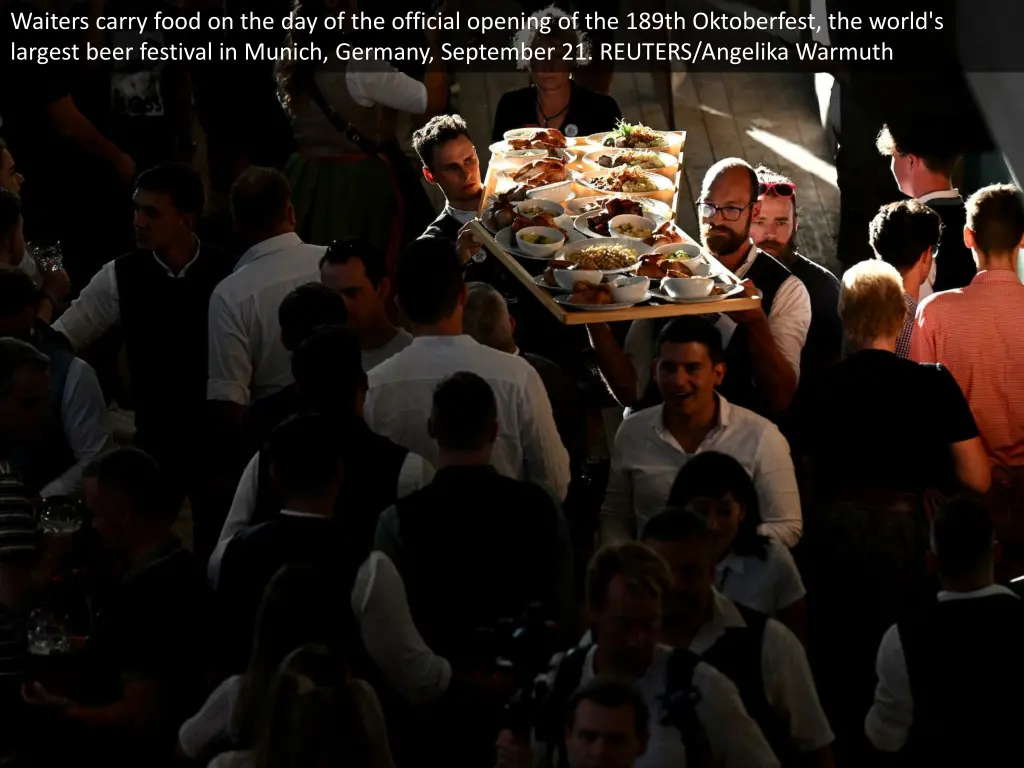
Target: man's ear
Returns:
[512, 324]
[290, 215]
[384, 287]
[755, 209]
[429, 176]
[969, 240]
[719, 370]
[796, 219]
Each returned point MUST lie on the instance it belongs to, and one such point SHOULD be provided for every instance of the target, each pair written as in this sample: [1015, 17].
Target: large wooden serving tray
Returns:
[582, 317]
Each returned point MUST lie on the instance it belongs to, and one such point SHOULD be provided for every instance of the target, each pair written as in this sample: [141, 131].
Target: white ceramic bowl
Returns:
[626, 290]
[687, 287]
[616, 223]
[567, 278]
[555, 238]
[539, 204]
[692, 250]
[557, 192]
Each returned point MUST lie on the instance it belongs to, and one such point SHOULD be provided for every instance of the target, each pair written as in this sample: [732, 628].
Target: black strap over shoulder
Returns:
[552, 717]
[342, 125]
[679, 706]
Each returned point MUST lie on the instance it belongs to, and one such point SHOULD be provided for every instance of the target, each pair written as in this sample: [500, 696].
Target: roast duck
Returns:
[617, 206]
[501, 213]
[538, 173]
[548, 139]
[657, 266]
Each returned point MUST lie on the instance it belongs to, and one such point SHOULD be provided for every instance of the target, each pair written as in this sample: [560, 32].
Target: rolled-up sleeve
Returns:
[381, 608]
[230, 361]
[96, 310]
[546, 459]
[777, 492]
[790, 319]
[891, 715]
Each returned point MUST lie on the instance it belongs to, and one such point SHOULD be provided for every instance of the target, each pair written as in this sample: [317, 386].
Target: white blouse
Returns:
[769, 585]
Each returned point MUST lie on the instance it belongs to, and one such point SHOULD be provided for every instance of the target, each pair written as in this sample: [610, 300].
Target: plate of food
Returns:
[547, 177]
[626, 181]
[695, 294]
[590, 204]
[639, 136]
[609, 255]
[599, 223]
[596, 298]
[503, 152]
[506, 239]
[644, 159]
[535, 138]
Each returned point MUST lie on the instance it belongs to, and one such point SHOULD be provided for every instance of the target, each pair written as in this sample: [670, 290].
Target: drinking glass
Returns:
[49, 256]
[60, 517]
[47, 634]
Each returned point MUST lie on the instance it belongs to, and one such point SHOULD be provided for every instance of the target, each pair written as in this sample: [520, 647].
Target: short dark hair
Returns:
[920, 138]
[676, 524]
[373, 258]
[429, 280]
[438, 130]
[328, 369]
[307, 308]
[962, 536]
[135, 475]
[305, 454]
[995, 215]
[16, 354]
[725, 165]
[17, 292]
[179, 182]
[611, 694]
[901, 232]
[464, 412]
[712, 475]
[10, 213]
[639, 565]
[692, 329]
[259, 199]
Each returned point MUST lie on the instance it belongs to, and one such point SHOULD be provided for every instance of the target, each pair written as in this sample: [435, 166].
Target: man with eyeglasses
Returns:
[774, 230]
[763, 345]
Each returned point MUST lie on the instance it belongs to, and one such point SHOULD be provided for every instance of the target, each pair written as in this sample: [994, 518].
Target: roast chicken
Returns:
[657, 266]
[614, 206]
[500, 213]
[588, 293]
[543, 139]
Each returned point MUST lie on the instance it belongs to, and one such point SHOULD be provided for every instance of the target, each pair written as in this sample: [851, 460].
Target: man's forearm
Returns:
[616, 369]
[772, 372]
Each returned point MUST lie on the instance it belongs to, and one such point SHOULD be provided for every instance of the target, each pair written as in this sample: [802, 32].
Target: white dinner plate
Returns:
[539, 280]
[564, 301]
[659, 294]
[575, 206]
[580, 223]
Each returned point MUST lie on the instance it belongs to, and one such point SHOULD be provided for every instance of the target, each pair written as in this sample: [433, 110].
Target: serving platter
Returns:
[566, 301]
[658, 293]
[669, 168]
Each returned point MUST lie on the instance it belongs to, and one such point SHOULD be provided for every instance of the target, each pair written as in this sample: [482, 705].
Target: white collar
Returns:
[748, 261]
[463, 217]
[184, 269]
[267, 247]
[724, 615]
[940, 194]
[989, 591]
[303, 515]
[460, 340]
[731, 561]
[723, 420]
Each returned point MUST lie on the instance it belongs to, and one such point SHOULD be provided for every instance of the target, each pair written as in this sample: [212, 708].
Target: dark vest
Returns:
[738, 386]
[370, 485]
[52, 456]
[737, 655]
[966, 671]
[164, 324]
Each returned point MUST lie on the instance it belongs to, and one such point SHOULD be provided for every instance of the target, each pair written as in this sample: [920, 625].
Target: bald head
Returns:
[486, 317]
[727, 206]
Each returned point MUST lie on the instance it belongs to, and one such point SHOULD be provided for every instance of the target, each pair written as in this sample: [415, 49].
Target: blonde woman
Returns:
[883, 424]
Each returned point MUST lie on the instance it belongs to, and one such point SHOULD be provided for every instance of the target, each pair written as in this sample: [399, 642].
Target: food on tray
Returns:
[666, 234]
[625, 179]
[614, 206]
[500, 213]
[603, 257]
[627, 136]
[659, 265]
[644, 160]
[634, 231]
[549, 273]
[535, 239]
[542, 219]
[538, 173]
[588, 293]
[548, 138]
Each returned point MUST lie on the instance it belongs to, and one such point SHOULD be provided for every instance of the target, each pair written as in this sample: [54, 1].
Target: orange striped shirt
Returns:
[977, 332]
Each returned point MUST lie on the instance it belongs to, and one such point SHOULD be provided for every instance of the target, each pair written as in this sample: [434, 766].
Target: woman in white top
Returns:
[316, 714]
[349, 177]
[753, 569]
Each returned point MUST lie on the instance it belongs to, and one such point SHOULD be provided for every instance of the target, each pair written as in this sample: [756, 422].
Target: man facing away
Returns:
[906, 235]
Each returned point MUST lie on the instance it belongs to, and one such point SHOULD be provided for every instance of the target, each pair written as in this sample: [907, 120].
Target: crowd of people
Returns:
[415, 540]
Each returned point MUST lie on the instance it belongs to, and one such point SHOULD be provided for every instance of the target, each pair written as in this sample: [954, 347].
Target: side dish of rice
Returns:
[603, 257]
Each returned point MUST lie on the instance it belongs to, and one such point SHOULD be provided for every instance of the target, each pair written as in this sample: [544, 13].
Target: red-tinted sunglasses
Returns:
[780, 188]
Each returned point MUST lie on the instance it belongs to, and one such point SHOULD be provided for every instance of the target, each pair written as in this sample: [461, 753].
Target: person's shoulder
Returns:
[393, 369]
[444, 227]
[936, 307]
[812, 272]
[749, 420]
[512, 99]
[639, 422]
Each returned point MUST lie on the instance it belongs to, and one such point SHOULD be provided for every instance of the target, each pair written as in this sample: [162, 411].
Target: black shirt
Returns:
[879, 422]
[589, 112]
[824, 343]
[954, 262]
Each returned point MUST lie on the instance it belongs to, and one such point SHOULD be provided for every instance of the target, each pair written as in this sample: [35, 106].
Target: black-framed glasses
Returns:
[729, 212]
[778, 188]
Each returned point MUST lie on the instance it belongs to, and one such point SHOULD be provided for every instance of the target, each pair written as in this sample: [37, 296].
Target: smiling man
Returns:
[451, 163]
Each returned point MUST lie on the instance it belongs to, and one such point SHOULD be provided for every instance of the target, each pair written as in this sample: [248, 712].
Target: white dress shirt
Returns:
[927, 287]
[86, 424]
[889, 720]
[734, 739]
[414, 474]
[401, 396]
[788, 682]
[247, 359]
[646, 459]
[374, 357]
[769, 585]
[98, 307]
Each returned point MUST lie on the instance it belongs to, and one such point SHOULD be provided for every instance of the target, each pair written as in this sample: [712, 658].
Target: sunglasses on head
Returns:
[779, 188]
